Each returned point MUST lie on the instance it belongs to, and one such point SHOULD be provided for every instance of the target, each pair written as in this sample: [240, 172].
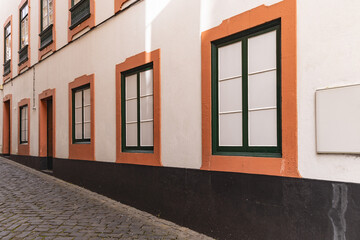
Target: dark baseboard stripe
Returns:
[225, 205]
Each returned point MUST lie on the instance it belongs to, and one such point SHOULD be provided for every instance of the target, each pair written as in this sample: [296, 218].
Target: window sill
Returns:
[138, 151]
[249, 154]
[82, 142]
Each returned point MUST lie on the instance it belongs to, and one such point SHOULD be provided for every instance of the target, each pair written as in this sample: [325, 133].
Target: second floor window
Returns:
[24, 26]
[24, 33]
[80, 11]
[7, 48]
[47, 14]
[46, 21]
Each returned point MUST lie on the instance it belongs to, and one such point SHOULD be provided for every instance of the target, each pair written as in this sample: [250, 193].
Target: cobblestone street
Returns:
[34, 205]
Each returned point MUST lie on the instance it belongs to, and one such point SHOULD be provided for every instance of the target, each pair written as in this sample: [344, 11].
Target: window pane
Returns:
[262, 90]
[78, 99]
[23, 125]
[146, 108]
[262, 52]
[131, 86]
[78, 131]
[8, 48]
[230, 95]
[23, 136]
[24, 32]
[78, 115]
[51, 12]
[87, 112]
[24, 11]
[76, 1]
[87, 130]
[230, 63]
[147, 134]
[131, 134]
[262, 128]
[230, 129]
[131, 111]
[87, 97]
[146, 82]
[8, 30]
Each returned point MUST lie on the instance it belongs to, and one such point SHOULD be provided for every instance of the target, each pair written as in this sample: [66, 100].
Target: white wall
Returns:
[327, 56]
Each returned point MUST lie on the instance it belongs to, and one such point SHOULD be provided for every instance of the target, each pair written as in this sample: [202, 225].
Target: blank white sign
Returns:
[338, 120]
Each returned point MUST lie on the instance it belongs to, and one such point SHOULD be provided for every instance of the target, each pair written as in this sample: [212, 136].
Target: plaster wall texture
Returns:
[326, 57]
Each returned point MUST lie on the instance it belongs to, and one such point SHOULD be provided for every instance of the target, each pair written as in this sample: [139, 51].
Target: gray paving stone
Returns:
[37, 206]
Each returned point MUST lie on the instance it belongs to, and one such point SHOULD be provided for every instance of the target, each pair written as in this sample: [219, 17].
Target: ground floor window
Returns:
[246, 92]
[137, 101]
[24, 125]
[81, 114]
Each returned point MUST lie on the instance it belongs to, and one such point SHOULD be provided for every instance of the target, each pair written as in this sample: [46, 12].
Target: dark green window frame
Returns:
[46, 34]
[245, 150]
[138, 148]
[7, 62]
[20, 127]
[79, 12]
[82, 139]
[23, 52]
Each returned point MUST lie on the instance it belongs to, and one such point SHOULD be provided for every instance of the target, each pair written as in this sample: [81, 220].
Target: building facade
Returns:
[233, 118]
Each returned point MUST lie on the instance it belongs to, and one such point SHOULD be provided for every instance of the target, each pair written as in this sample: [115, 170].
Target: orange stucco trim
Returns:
[43, 97]
[24, 149]
[27, 63]
[9, 75]
[153, 159]
[119, 4]
[82, 151]
[51, 47]
[90, 22]
[288, 164]
[7, 118]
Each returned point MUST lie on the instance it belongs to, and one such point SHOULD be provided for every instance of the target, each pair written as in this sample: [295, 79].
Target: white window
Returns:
[47, 13]
[24, 124]
[24, 26]
[246, 80]
[138, 112]
[81, 114]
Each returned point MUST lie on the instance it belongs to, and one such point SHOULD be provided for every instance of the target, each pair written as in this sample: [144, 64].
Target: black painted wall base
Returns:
[226, 205]
[38, 163]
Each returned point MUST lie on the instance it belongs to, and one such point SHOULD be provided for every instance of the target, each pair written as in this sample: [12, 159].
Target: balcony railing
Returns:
[7, 68]
[46, 37]
[23, 55]
[79, 13]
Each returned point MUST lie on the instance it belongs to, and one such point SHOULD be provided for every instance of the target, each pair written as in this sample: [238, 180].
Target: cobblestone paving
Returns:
[34, 205]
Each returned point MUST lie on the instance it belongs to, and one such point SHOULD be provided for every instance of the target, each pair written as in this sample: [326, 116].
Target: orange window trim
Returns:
[288, 164]
[7, 132]
[152, 159]
[82, 151]
[51, 47]
[45, 95]
[90, 22]
[24, 149]
[27, 63]
[119, 4]
[9, 20]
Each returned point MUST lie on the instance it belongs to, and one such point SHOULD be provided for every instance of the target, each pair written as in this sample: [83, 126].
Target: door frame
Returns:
[43, 98]
[7, 118]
